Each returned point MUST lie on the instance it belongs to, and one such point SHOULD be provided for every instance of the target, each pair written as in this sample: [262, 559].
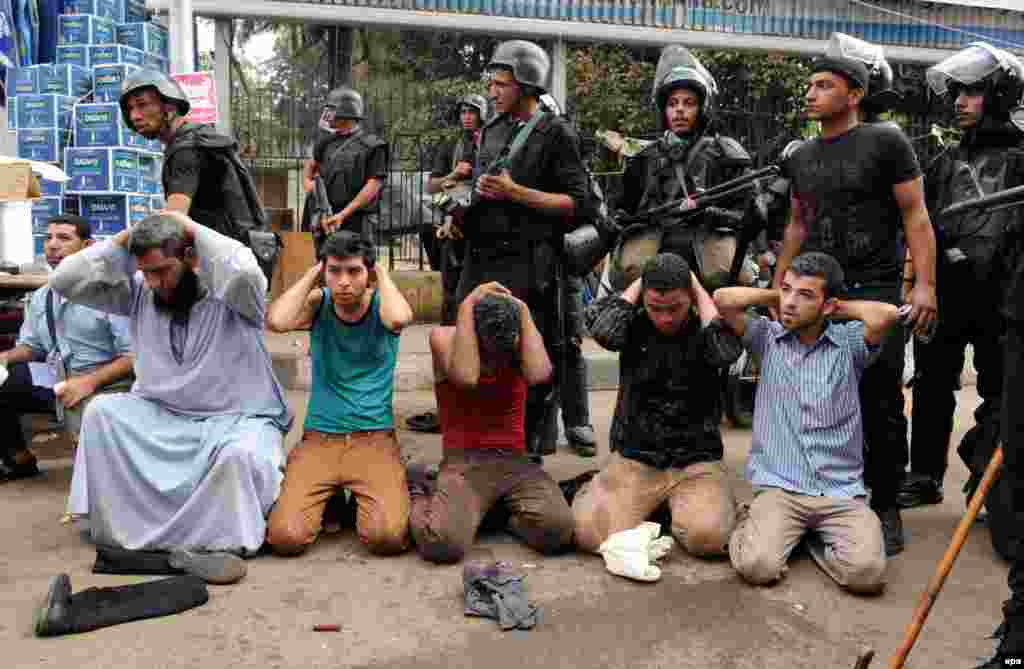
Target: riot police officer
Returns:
[202, 174]
[532, 185]
[352, 161]
[453, 167]
[689, 157]
[982, 83]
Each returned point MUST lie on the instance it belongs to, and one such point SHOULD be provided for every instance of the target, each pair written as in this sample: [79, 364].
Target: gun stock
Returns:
[1011, 197]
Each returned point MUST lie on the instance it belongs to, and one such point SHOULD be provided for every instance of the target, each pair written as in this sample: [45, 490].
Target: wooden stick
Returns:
[946, 564]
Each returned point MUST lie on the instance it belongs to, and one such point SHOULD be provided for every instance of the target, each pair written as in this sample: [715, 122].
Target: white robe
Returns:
[193, 456]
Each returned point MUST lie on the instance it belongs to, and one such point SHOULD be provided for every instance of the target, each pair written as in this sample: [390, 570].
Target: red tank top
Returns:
[489, 416]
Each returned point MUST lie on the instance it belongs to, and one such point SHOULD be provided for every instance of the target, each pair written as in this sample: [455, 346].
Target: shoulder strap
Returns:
[517, 142]
[52, 327]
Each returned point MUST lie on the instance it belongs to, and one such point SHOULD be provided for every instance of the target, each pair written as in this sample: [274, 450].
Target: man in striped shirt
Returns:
[807, 458]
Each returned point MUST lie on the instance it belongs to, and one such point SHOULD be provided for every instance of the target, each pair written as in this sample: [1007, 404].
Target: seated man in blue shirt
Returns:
[807, 457]
[94, 347]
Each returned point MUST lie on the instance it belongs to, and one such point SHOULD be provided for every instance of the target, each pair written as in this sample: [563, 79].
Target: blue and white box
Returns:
[146, 35]
[98, 124]
[150, 172]
[107, 9]
[38, 245]
[43, 144]
[155, 62]
[25, 80]
[72, 80]
[99, 170]
[134, 11]
[75, 54]
[49, 188]
[83, 29]
[110, 213]
[72, 204]
[157, 202]
[12, 113]
[45, 111]
[112, 54]
[107, 81]
[43, 209]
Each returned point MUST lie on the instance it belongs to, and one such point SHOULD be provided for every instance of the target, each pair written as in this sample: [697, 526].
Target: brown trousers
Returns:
[444, 523]
[844, 536]
[626, 492]
[368, 464]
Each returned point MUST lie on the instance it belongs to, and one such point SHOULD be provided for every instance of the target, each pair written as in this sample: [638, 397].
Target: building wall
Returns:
[902, 22]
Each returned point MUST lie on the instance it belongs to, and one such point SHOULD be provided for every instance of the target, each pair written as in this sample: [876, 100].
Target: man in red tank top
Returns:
[482, 369]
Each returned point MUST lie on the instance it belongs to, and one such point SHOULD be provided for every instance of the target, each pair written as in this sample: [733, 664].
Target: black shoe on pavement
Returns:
[919, 490]
[892, 530]
[51, 615]
[582, 440]
[18, 465]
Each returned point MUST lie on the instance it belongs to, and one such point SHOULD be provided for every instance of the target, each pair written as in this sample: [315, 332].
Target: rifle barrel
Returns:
[1010, 197]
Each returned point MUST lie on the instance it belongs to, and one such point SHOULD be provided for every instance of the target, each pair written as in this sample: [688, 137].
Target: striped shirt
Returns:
[808, 436]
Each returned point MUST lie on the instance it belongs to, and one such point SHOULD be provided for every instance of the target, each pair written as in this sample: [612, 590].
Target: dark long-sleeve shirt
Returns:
[669, 403]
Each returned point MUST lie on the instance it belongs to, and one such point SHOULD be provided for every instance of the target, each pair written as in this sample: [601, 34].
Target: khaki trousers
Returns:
[845, 538]
[626, 492]
[368, 464]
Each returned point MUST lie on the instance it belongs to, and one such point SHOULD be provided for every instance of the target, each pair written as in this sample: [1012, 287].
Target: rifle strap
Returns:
[517, 142]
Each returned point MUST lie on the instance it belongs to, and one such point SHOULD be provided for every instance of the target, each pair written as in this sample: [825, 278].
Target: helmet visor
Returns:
[844, 46]
[327, 117]
[966, 68]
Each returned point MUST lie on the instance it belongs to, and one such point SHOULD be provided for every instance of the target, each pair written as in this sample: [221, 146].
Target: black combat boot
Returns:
[64, 613]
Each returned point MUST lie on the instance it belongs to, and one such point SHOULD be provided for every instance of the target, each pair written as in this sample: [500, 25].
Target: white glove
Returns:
[629, 553]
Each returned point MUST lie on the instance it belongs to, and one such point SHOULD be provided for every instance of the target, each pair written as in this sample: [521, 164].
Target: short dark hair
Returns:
[497, 321]
[665, 272]
[82, 226]
[158, 231]
[348, 244]
[823, 266]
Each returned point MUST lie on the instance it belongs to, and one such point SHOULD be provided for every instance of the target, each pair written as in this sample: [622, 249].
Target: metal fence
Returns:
[277, 133]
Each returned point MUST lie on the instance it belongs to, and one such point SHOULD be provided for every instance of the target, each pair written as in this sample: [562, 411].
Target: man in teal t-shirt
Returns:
[349, 439]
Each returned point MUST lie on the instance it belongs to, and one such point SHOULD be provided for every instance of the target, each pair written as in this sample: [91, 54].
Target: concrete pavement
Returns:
[403, 612]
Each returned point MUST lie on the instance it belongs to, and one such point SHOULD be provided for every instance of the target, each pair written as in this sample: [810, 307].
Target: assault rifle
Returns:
[322, 210]
[684, 209]
[1011, 197]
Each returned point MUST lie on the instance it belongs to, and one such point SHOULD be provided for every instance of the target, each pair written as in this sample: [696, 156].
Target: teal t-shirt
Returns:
[353, 371]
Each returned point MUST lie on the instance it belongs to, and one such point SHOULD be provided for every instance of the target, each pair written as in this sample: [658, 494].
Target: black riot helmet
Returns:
[477, 102]
[168, 89]
[342, 102]
[879, 93]
[998, 73]
[529, 63]
[678, 68]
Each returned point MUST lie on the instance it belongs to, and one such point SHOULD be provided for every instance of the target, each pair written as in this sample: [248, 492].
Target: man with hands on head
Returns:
[190, 459]
[482, 368]
[349, 439]
[665, 438]
[807, 458]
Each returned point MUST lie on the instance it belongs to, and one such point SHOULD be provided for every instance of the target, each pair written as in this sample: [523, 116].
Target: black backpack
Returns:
[243, 217]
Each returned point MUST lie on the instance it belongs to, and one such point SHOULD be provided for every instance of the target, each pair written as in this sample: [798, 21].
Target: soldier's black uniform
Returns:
[347, 162]
[518, 246]
[988, 159]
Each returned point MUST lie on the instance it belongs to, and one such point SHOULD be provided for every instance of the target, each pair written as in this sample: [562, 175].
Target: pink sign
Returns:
[202, 94]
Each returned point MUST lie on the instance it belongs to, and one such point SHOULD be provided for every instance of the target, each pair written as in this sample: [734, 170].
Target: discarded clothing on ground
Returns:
[632, 553]
[493, 590]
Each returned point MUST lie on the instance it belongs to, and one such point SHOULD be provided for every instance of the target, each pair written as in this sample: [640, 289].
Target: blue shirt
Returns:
[353, 371]
[88, 338]
[808, 435]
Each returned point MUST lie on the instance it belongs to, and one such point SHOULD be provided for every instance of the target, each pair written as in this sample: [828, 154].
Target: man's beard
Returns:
[186, 293]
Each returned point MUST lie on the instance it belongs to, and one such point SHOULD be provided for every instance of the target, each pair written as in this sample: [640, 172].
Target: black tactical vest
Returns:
[968, 172]
[675, 171]
[344, 167]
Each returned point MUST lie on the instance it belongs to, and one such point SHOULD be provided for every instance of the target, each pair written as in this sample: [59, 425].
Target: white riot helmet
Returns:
[997, 73]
